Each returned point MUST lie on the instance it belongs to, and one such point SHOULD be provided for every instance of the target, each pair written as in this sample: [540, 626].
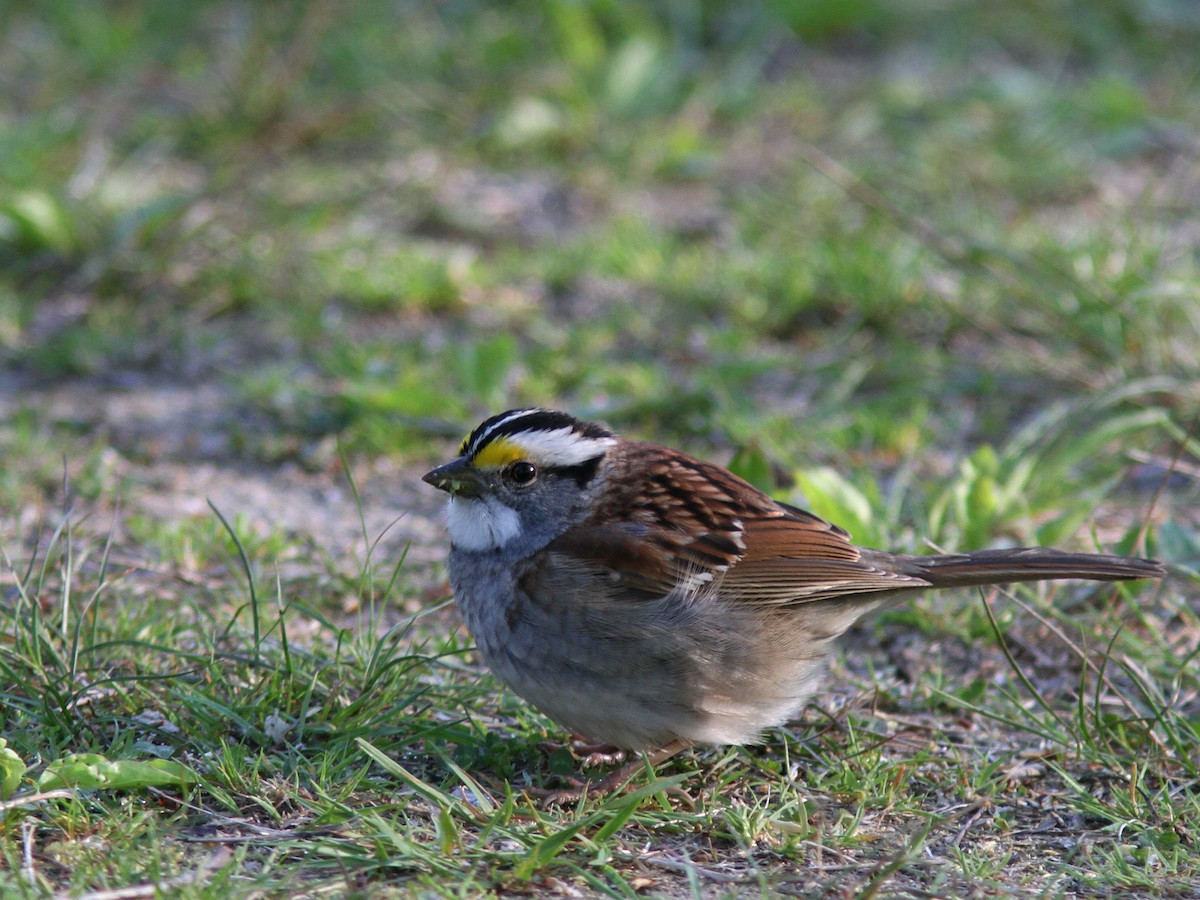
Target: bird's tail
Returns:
[1027, 564]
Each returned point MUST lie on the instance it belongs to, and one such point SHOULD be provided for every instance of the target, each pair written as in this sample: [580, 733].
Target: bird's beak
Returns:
[458, 478]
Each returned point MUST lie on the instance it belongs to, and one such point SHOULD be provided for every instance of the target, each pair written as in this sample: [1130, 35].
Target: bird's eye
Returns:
[522, 472]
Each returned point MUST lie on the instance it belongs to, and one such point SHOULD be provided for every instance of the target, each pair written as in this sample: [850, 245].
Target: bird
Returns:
[647, 599]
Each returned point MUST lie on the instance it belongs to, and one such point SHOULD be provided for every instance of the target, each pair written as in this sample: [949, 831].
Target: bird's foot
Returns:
[613, 781]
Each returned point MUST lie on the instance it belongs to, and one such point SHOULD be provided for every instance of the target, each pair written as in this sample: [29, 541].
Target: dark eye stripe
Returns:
[583, 473]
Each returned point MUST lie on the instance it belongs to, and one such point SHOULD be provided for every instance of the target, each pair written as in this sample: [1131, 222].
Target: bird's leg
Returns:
[589, 753]
[593, 755]
[613, 780]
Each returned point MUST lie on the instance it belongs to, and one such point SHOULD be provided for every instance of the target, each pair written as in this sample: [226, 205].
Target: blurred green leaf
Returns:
[1179, 543]
[976, 496]
[829, 495]
[12, 770]
[144, 220]
[752, 464]
[1114, 101]
[484, 367]
[1166, 839]
[93, 771]
[580, 40]
[528, 121]
[821, 20]
[642, 77]
[37, 220]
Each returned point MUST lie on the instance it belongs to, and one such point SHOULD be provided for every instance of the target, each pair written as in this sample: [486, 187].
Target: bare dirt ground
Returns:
[170, 454]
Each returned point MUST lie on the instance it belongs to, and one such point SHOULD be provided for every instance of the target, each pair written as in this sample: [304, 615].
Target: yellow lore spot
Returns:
[499, 453]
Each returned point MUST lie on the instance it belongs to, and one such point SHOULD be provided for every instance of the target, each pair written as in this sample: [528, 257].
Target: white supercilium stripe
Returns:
[560, 446]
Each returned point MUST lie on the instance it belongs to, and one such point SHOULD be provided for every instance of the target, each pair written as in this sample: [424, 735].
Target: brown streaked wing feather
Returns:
[694, 523]
[684, 525]
[794, 533]
[801, 558]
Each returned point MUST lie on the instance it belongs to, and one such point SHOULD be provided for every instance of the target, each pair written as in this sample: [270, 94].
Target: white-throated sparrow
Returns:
[644, 598]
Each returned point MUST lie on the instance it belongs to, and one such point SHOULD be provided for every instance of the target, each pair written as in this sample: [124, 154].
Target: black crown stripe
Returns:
[517, 421]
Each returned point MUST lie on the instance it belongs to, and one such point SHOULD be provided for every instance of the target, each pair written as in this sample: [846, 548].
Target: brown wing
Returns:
[694, 524]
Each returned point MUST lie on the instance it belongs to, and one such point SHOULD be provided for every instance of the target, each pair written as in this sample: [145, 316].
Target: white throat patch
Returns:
[481, 523]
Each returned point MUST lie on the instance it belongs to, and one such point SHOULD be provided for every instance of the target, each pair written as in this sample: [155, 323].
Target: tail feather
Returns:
[1025, 564]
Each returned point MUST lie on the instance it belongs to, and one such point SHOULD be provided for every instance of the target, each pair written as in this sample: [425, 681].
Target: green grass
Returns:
[928, 271]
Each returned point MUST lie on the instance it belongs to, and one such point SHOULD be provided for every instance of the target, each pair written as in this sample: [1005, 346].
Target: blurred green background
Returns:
[869, 235]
